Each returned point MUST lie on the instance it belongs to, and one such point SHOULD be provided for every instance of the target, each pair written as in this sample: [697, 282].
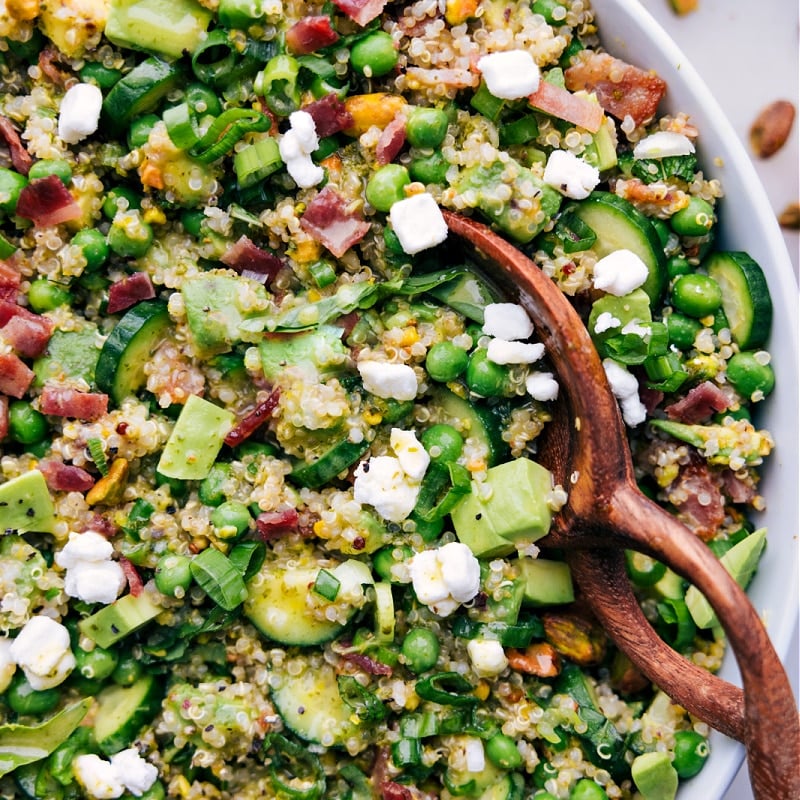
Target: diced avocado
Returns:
[26, 504]
[123, 710]
[215, 307]
[467, 294]
[168, 27]
[122, 617]
[547, 583]
[671, 586]
[69, 355]
[632, 307]
[741, 562]
[319, 351]
[196, 440]
[514, 512]
[602, 151]
[654, 776]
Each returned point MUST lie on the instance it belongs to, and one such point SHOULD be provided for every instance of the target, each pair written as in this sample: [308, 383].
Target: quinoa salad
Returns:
[272, 523]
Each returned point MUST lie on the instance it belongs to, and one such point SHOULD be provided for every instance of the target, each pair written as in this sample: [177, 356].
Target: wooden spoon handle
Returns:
[601, 577]
[771, 722]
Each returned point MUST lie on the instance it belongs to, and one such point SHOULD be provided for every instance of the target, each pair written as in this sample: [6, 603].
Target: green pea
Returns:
[502, 751]
[22, 698]
[446, 361]
[51, 166]
[374, 55]
[210, 490]
[387, 557]
[94, 247]
[139, 131]
[173, 574]
[120, 198]
[443, 443]
[484, 377]
[385, 187]
[696, 295]
[678, 265]
[429, 168]
[95, 72]
[11, 184]
[25, 424]
[44, 295]
[426, 127]
[420, 649]
[97, 664]
[127, 671]
[748, 375]
[691, 752]
[129, 235]
[231, 519]
[587, 789]
[546, 9]
[202, 100]
[192, 222]
[696, 219]
[429, 530]
[682, 330]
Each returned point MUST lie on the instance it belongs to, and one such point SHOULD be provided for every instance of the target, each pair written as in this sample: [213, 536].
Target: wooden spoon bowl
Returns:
[586, 448]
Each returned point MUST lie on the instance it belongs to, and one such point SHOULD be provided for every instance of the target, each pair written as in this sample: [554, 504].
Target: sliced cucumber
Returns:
[618, 225]
[123, 710]
[745, 297]
[311, 706]
[473, 420]
[120, 367]
[313, 474]
[509, 787]
[467, 294]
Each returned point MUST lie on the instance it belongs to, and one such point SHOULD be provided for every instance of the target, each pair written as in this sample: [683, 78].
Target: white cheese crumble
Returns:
[502, 352]
[510, 75]
[418, 223]
[7, 664]
[136, 774]
[570, 175]
[619, 273]
[389, 381]
[91, 574]
[382, 483]
[97, 776]
[636, 329]
[541, 386]
[605, 322]
[445, 577]
[663, 144]
[42, 649]
[296, 147]
[508, 321]
[79, 114]
[413, 457]
[487, 657]
[626, 389]
[474, 754]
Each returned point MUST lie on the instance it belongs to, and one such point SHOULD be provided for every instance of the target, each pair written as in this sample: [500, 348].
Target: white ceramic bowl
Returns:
[747, 222]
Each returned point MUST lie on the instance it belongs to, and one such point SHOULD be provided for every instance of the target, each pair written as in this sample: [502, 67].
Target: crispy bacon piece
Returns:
[275, 524]
[329, 114]
[329, 222]
[391, 140]
[46, 201]
[3, 417]
[362, 11]
[254, 420]
[244, 255]
[699, 404]
[697, 497]
[739, 490]
[47, 64]
[310, 34]
[129, 291]
[135, 584]
[62, 477]
[20, 158]
[395, 791]
[368, 664]
[63, 401]
[10, 280]
[15, 375]
[563, 104]
[26, 332]
[621, 89]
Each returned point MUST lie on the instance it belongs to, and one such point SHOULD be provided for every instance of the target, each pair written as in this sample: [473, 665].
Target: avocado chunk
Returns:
[195, 440]
[215, 308]
[632, 307]
[167, 27]
[509, 510]
[547, 583]
[654, 776]
[319, 352]
[124, 616]
[26, 504]
[741, 562]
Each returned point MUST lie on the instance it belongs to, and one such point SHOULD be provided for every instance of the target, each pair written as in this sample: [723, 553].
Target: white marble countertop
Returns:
[748, 56]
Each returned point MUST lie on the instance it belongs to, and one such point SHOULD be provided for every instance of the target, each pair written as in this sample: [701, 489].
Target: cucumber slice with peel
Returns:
[123, 710]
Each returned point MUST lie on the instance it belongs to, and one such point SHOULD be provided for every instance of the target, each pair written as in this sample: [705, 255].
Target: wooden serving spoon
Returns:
[586, 448]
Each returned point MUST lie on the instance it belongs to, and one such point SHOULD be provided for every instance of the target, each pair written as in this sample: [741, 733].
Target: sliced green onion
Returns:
[677, 628]
[98, 455]
[277, 84]
[419, 725]
[442, 487]
[384, 612]
[323, 273]
[219, 578]
[181, 126]
[407, 753]
[327, 585]
[484, 102]
[520, 131]
[364, 703]
[214, 58]
[292, 764]
[358, 781]
[226, 130]
[247, 558]
[256, 161]
[519, 634]
[447, 689]
[642, 569]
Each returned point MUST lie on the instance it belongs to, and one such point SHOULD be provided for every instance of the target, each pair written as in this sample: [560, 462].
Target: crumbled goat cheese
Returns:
[474, 754]
[79, 114]
[91, 574]
[137, 774]
[444, 578]
[7, 664]
[413, 457]
[296, 147]
[541, 386]
[626, 389]
[487, 657]
[510, 75]
[389, 381]
[636, 329]
[418, 223]
[570, 175]
[605, 322]
[508, 321]
[97, 776]
[662, 145]
[382, 483]
[502, 352]
[42, 649]
[619, 273]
